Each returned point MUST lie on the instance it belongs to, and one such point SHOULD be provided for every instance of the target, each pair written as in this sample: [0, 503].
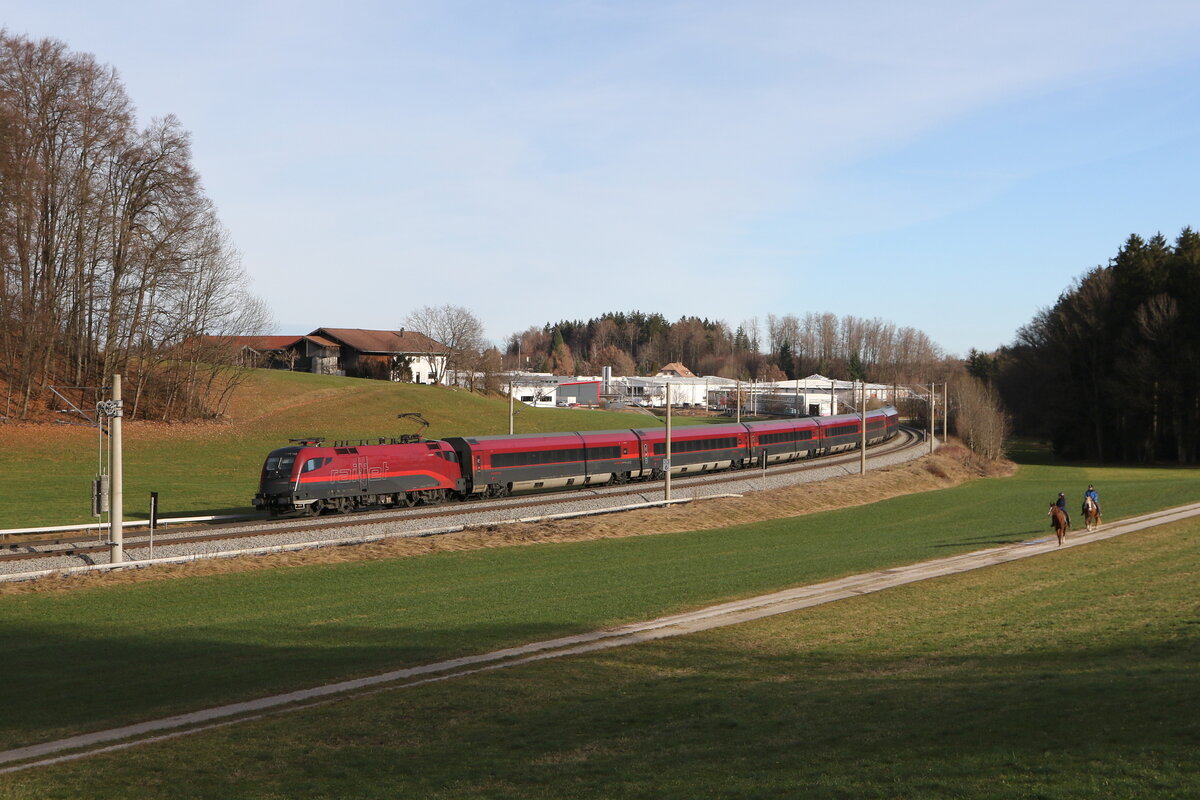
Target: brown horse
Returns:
[1058, 521]
[1091, 514]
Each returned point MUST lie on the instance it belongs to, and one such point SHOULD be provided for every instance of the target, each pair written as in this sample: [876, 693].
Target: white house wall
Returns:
[423, 368]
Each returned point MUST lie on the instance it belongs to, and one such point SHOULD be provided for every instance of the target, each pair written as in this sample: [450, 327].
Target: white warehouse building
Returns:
[815, 395]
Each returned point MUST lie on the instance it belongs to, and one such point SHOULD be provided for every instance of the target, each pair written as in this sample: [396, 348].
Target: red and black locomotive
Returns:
[308, 477]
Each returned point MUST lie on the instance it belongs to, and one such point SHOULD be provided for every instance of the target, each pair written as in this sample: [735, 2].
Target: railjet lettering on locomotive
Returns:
[308, 478]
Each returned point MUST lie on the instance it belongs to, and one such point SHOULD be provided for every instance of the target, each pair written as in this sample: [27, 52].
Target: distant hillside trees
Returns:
[795, 347]
[560, 362]
[1112, 370]
[111, 257]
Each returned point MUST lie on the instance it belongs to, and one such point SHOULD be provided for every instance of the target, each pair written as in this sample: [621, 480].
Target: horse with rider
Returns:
[1060, 518]
[1059, 521]
[1091, 508]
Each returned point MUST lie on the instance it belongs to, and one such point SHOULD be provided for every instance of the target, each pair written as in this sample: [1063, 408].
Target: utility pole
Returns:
[511, 413]
[738, 402]
[667, 460]
[862, 413]
[945, 410]
[116, 516]
[932, 414]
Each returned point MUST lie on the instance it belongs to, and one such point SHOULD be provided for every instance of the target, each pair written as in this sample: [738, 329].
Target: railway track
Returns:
[319, 528]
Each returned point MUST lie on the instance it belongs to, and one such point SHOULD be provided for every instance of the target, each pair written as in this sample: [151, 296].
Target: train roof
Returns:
[729, 429]
[533, 437]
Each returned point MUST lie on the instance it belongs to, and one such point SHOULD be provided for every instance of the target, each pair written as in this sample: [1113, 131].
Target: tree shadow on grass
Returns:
[990, 540]
[980, 542]
[672, 720]
[702, 716]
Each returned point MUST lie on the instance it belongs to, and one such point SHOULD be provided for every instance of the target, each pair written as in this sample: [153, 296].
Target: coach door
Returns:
[364, 476]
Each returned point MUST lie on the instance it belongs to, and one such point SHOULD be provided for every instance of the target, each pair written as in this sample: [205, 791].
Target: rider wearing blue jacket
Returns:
[1092, 493]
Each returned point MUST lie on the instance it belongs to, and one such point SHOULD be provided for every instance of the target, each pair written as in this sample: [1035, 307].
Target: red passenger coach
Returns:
[696, 448]
[843, 432]
[498, 465]
[784, 440]
[882, 425]
[612, 454]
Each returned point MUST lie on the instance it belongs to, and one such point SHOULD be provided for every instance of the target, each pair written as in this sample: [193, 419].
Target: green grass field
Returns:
[202, 469]
[1066, 676]
[1069, 676]
[187, 644]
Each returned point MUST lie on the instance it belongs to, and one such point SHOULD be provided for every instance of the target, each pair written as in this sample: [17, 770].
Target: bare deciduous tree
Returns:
[979, 417]
[454, 327]
[105, 236]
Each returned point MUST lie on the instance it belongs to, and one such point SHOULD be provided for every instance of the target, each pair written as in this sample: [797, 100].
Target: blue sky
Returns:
[948, 166]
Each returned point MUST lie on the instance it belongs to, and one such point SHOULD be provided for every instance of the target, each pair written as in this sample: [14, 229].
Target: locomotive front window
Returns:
[279, 466]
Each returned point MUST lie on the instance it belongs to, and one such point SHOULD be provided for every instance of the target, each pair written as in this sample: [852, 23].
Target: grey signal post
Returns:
[153, 519]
